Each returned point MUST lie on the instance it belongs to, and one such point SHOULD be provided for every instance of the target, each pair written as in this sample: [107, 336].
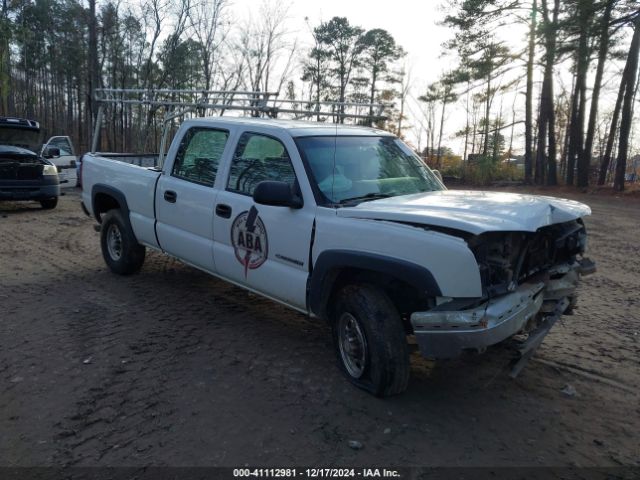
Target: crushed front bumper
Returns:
[442, 333]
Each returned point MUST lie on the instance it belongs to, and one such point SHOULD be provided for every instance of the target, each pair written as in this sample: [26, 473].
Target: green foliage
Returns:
[347, 63]
[341, 43]
[486, 171]
[45, 71]
[379, 49]
[181, 62]
[496, 146]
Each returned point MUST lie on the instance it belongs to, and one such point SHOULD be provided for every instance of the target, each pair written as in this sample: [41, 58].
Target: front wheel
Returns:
[370, 340]
[49, 203]
[120, 249]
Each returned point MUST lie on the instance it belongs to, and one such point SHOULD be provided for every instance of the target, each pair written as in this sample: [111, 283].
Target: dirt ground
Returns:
[173, 367]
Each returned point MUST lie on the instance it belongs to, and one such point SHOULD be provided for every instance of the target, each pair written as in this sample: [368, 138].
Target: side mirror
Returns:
[438, 174]
[51, 152]
[277, 194]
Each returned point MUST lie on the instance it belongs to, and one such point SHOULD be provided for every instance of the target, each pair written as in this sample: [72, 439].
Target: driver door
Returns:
[66, 162]
[263, 247]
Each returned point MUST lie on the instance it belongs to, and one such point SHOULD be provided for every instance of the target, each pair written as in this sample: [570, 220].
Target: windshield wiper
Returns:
[367, 197]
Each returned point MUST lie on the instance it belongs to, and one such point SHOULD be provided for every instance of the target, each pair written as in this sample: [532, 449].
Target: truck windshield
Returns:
[350, 170]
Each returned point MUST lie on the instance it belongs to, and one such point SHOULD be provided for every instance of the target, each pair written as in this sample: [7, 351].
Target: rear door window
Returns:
[199, 155]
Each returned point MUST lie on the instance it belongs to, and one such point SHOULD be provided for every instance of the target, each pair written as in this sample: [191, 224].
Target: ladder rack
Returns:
[256, 103]
[175, 103]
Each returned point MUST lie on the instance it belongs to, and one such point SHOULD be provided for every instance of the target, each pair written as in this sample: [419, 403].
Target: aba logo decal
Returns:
[249, 240]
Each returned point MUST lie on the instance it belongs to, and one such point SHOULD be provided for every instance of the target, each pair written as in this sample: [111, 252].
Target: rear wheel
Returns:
[370, 340]
[49, 203]
[120, 249]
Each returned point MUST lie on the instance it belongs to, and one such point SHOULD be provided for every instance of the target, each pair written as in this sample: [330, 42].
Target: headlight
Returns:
[50, 170]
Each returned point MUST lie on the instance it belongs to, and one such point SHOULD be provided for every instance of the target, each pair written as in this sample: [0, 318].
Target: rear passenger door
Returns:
[185, 197]
[265, 248]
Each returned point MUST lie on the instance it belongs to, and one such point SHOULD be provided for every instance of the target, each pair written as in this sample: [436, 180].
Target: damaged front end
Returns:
[529, 280]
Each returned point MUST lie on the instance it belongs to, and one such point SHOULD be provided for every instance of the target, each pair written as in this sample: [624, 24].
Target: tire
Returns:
[49, 203]
[121, 251]
[365, 311]
[573, 302]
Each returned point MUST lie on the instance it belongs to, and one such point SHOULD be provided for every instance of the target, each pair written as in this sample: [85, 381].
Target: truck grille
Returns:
[19, 171]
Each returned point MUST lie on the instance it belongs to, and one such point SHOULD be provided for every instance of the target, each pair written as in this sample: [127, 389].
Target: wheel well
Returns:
[102, 203]
[405, 297]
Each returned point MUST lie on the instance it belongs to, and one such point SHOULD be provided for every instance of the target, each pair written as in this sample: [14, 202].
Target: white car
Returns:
[346, 224]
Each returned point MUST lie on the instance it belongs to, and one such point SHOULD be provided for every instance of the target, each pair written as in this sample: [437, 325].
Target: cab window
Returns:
[258, 158]
[199, 155]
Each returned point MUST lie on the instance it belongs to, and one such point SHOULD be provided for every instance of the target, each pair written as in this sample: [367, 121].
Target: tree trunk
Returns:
[627, 107]
[567, 133]
[372, 95]
[552, 176]
[93, 65]
[546, 120]
[583, 67]
[475, 130]
[444, 106]
[487, 113]
[571, 150]
[466, 130]
[552, 173]
[343, 91]
[528, 127]
[318, 84]
[403, 97]
[611, 139]
[543, 124]
[5, 60]
[513, 124]
[603, 50]
[576, 147]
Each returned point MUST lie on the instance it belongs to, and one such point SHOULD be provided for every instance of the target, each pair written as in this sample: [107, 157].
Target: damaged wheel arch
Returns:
[338, 266]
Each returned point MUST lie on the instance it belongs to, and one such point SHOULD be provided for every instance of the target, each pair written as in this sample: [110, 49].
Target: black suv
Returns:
[25, 175]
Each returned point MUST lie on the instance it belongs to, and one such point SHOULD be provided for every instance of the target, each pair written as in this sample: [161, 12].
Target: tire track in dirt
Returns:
[173, 367]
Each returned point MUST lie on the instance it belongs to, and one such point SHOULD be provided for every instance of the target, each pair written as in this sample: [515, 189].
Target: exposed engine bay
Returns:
[529, 281]
[506, 260]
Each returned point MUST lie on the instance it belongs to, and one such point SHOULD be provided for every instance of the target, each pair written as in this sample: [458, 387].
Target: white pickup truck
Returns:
[59, 150]
[347, 224]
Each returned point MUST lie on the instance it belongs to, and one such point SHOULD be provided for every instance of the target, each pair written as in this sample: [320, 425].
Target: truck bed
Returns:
[139, 159]
[135, 184]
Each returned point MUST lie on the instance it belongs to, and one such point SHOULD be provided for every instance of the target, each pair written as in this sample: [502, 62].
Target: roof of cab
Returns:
[298, 128]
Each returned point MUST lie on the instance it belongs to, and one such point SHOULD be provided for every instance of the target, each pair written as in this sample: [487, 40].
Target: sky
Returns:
[413, 24]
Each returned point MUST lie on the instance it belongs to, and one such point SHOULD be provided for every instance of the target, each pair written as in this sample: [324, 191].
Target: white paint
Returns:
[191, 231]
[472, 211]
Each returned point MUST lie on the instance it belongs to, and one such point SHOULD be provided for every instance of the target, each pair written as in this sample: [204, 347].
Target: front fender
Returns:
[331, 260]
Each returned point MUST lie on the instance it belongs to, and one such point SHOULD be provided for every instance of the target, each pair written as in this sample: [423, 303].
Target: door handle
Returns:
[170, 196]
[223, 210]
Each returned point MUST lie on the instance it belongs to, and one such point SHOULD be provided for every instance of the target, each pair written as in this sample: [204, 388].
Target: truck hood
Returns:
[20, 137]
[10, 151]
[471, 211]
